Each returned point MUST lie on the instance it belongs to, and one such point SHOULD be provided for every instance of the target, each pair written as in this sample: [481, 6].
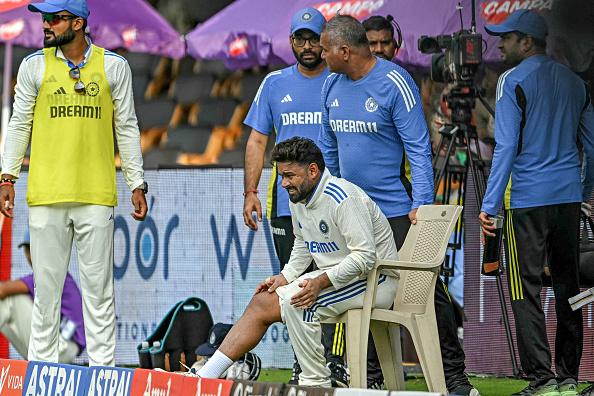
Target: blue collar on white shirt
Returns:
[88, 53]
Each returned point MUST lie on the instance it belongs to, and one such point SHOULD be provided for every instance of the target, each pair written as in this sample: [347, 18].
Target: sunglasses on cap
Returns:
[79, 86]
[54, 19]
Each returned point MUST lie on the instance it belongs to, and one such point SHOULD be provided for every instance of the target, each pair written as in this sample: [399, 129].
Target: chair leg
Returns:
[389, 353]
[426, 340]
[356, 350]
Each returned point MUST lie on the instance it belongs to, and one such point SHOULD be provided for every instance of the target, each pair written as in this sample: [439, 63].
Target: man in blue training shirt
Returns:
[371, 115]
[288, 104]
[542, 110]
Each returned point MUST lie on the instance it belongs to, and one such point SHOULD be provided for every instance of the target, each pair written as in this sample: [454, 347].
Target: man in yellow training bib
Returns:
[68, 98]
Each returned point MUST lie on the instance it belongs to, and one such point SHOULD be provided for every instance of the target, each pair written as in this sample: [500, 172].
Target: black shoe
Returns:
[295, 376]
[551, 388]
[375, 383]
[338, 375]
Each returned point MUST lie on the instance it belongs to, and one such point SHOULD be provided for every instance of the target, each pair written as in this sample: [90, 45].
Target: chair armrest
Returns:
[406, 265]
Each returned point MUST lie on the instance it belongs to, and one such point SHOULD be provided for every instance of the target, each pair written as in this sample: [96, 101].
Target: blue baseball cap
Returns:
[525, 21]
[75, 7]
[308, 18]
[26, 239]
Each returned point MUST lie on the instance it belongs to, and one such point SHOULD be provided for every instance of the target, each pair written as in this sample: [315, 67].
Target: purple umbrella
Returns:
[130, 24]
[256, 32]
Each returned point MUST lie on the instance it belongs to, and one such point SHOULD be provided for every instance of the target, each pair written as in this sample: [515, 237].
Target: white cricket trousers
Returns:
[52, 229]
[15, 324]
[304, 326]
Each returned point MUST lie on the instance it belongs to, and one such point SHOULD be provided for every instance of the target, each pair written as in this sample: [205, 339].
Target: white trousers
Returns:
[15, 324]
[304, 326]
[52, 229]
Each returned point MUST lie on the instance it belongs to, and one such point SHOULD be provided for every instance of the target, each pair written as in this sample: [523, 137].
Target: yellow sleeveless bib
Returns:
[72, 150]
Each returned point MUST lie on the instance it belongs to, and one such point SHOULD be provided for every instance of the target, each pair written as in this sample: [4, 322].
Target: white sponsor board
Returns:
[193, 243]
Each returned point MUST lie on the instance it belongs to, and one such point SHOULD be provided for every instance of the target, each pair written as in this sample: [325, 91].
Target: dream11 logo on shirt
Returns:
[496, 11]
[356, 8]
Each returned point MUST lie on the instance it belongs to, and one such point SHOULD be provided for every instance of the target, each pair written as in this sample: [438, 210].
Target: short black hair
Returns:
[345, 29]
[538, 42]
[378, 23]
[301, 151]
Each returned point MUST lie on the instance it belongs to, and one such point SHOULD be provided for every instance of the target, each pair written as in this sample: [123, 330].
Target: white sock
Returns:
[215, 366]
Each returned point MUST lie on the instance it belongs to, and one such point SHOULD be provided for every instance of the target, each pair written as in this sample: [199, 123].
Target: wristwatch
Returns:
[143, 187]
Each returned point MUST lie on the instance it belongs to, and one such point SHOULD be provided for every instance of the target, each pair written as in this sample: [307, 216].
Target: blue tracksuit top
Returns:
[542, 109]
[367, 125]
[288, 104]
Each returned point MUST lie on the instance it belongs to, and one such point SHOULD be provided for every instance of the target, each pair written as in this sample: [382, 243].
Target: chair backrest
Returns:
[191, 88]
[161, 156]
[154, 113]
[216, 112]
[426, 242]
[189, 138]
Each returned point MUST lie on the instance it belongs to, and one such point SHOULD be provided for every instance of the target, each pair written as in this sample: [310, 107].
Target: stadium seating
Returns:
[419, 262]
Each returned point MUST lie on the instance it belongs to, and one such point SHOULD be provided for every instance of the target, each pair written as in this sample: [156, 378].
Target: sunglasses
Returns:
[299, 41]
[54, 19]
[79, 86]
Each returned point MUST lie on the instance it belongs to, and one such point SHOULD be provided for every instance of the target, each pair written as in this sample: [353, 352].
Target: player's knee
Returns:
[265, 306]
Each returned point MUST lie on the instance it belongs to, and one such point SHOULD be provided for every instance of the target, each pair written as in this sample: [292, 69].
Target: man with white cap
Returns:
[542, 110]
[288, 104]
[72, 96]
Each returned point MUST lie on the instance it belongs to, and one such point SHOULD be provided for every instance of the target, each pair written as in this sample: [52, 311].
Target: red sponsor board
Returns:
[194, 386]
[357, 8]
[156, 383]
[12, 376]
[6, 5]
[496, 11]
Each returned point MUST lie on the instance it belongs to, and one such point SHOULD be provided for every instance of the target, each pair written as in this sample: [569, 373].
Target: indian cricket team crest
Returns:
[324, 227]
[306, 16]
[213, 338]
[371, 105]
[92, 89]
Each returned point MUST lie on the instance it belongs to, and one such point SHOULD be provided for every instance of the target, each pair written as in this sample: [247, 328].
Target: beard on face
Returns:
[308, 63]
[60, 40]
[304, 190]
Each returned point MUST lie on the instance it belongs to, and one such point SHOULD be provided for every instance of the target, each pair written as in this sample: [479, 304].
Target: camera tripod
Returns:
[460, 134]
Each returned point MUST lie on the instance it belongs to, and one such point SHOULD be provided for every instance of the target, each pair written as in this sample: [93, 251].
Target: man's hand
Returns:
[6, 200]
[487, 226]
[310, 291]
[271, 284]
[412, 215]
[587, 209]
[251, 204]
[140, 205]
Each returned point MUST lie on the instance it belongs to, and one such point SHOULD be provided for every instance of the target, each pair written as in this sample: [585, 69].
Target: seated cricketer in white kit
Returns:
[344, 231]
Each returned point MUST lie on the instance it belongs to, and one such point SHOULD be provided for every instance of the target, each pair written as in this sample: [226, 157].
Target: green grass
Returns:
[487, 386]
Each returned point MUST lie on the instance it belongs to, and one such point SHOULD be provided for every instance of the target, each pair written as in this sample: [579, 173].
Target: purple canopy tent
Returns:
[256, 32]
[249, 33]
[130, 24]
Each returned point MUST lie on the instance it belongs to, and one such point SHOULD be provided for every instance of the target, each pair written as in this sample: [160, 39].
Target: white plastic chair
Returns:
[420, 259]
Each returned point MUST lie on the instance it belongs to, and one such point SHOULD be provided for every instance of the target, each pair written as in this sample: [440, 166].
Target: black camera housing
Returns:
[462, 57]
